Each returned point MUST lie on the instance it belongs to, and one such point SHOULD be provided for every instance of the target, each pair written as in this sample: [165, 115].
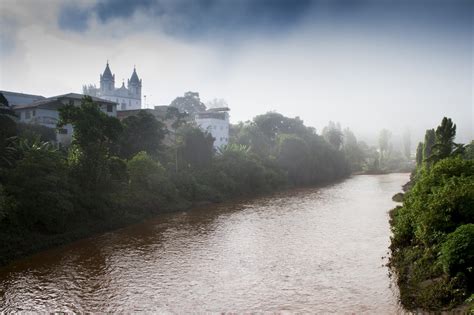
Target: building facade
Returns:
[127, 98]
[45, 112]
[216, 122]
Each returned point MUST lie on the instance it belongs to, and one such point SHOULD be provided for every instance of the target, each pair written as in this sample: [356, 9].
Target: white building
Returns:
[216, 122]
[45, 112]
[127, 98]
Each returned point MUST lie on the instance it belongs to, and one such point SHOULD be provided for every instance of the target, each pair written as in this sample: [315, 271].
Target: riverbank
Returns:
[433, 238]
[301, 250]
[15, 244]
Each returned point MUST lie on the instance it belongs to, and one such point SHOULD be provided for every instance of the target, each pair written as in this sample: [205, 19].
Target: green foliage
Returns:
[445, 134]
[430, 139]
[118, 169]
[457, 253]
[356, 152]
[433, 233]
[384, 143]
[469, 151]
[115, 173]
[293, 157]
[30, 131]
[333, 134]
[94, 133]
[7, 134]
[43, 200]
[419, 154]
[142, 132]
[148, 181]
[196, 148]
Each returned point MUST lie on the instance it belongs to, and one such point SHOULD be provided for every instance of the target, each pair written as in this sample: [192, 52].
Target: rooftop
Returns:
[56, 100]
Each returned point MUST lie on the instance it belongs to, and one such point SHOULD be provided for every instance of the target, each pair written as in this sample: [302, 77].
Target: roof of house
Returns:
[16, 98]
[55, 101]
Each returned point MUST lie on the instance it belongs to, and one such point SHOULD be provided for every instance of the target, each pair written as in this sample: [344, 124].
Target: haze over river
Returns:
[305, 250]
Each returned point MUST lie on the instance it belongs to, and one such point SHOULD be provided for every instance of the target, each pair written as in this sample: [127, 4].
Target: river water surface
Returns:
[306, 250]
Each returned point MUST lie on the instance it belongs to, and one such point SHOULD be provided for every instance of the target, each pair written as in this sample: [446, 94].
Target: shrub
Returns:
[457, 252]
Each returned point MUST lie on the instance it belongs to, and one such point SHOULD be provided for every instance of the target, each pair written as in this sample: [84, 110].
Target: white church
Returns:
[127, 98]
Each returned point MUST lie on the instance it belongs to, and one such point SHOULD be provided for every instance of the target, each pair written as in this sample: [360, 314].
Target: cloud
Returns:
[362, 63]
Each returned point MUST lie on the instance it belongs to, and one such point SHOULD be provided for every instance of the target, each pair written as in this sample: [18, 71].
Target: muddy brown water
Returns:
[308, 250]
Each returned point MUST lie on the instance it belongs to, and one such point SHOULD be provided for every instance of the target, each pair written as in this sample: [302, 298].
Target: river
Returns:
[312, 250]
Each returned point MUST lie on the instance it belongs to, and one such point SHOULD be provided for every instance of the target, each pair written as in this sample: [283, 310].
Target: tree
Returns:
[94, 133]
[293, 156]
[250, 135]
[384, 144]
[142, 132]
[7, 132]
[354, 153]
[195, 147]
[407, 144]
[419, 154]
[150, 186]
[32, 131]
[272, 124]
[333, 134]
[444, 144]
[190, 103]
[430, 139]
[40, 187]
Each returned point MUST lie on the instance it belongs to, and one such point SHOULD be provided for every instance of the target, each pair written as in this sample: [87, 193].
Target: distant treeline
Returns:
[118, 172]
[433, 231]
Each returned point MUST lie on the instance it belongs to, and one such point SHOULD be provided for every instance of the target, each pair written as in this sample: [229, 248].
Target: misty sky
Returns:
[369, 64]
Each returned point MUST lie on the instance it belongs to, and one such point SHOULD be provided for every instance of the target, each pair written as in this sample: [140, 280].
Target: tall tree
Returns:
[444, 135]
[142, 132]
[407, 144]
[190, 103]
[419, 154]
[430, 139]
[384, 143]
[333, 134]
[7, 132]
[195, 147]
[94, 133]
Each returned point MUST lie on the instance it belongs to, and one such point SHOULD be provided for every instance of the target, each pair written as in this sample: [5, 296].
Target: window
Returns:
[124, 107]
[34, 113]
[110, 108]
[62, 131]
[27, 114]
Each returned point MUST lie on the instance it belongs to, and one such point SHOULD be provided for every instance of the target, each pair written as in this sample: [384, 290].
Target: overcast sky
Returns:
[367, 64]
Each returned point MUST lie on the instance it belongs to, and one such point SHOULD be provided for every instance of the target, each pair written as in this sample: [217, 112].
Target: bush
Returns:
[44, 200]
[457, 253]
[149, 182]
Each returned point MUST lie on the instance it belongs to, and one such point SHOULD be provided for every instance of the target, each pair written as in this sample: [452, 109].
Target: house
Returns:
[216, 122]
[45, 112]
[15, 98]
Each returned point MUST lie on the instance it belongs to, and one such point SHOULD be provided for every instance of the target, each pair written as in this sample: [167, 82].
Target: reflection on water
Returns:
[308, 250]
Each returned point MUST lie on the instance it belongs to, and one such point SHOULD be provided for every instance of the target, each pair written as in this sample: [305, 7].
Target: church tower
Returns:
[107, 81]
[135, 86]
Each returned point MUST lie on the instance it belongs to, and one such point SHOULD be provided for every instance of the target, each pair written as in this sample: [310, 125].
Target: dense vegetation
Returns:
[118, 172]
[433, 231]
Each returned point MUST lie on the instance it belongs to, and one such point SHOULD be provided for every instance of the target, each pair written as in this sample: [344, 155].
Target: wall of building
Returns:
[218, 128]
[123, 103]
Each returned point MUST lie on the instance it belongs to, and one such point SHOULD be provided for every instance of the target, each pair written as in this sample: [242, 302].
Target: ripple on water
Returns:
[308, 250]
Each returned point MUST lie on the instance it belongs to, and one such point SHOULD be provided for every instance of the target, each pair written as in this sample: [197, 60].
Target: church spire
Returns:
[107, 73]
